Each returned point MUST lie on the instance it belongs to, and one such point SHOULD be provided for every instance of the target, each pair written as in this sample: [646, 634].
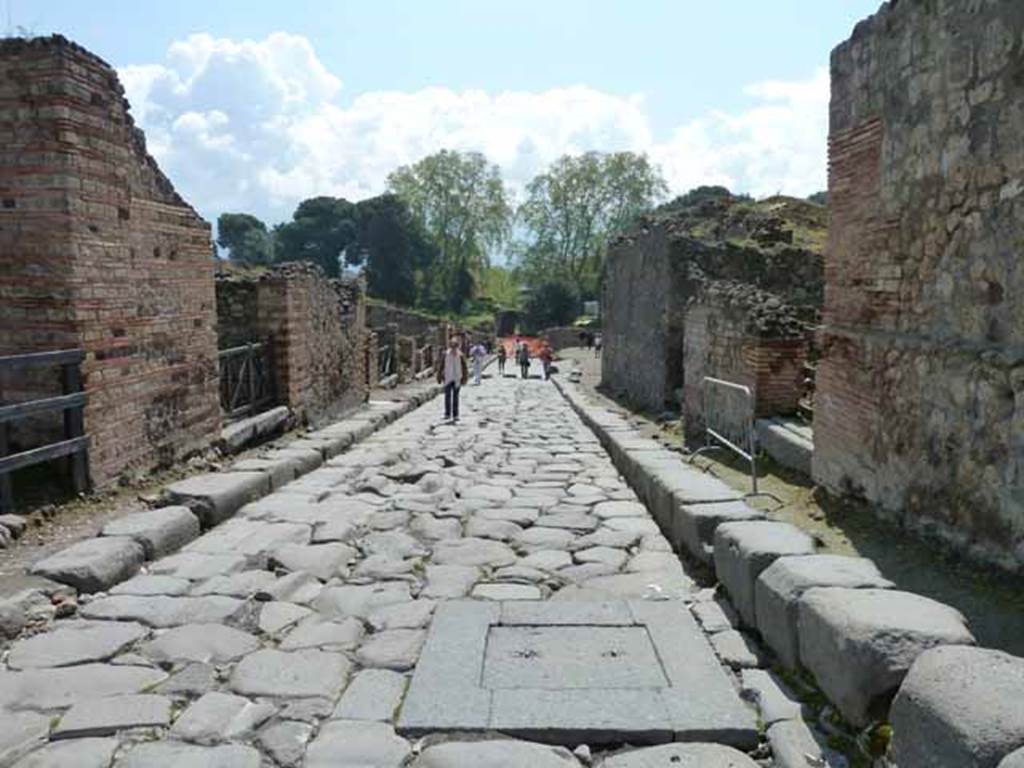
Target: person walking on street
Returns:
[523, 358]
[477, 354]
[453, 373]
[502, 357]
[547, 357]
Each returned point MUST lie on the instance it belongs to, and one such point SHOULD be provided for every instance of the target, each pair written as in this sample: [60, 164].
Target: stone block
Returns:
[235, 436]
[20, 733]
[356, 744]
[373, 694]
[1013, 760]
[959, 706]
[693, 526]
[175, 754]
[76, 753]
[744, 549]
[306, 673]
[859, 643]
[499, 753]
[159, 531]
[779, 587]
[218, 717]
[216, 496]
[93, 565]
[163, 611]
[108, 715]
[45, 689]
[74, 642]
[680, 756]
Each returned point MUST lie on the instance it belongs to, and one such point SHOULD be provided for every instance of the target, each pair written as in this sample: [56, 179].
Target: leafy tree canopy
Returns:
[245, 238]
[550, 304]
[320, 231]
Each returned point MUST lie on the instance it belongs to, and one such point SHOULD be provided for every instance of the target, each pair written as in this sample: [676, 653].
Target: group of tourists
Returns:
[453, 370]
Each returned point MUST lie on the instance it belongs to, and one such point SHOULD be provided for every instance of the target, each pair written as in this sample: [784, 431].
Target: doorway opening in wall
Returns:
[246, 379]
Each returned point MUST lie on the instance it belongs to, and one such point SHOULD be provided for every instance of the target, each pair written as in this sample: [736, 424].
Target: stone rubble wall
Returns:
[920, 389]
[562, 338]
[98, 251]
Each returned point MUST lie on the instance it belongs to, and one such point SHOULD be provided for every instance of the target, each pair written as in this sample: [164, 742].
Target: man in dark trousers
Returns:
[523, 358]
[453, 373]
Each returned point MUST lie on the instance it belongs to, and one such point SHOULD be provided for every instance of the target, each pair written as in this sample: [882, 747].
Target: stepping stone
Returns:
[146, 584]
[681, 756]
[75, 642]
[778, 590]
[301, 673]
[197, 567]
[93, 565]
[207, 643]
[242, 585]
[20, 732]
[315, 632]
[161, 611]
[373, 694]
[859, 643]
[744, 550]
[396, 649]
[507, 592]
[471, 551]
[959, 706]
[276, 616]
[158, 531]
[285, 741]
[495, 754]
[573, 672]
[108, 715]
[174, 754]
[356, 744]
[412, 615]
[324, 561]
[63, 687]
[218, 717]
[73, 753]
[216, 496]
[608, 509]
[360, 600]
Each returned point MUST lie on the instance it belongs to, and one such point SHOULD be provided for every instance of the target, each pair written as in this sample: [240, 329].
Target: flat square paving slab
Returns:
[571, 673]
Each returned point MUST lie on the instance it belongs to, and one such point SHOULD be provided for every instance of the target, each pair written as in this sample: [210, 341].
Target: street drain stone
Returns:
[570, 673]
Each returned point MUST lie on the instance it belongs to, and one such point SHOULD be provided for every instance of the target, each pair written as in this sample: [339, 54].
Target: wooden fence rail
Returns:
[75, 444]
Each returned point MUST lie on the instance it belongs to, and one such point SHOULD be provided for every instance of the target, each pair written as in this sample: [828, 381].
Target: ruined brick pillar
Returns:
[98, 251]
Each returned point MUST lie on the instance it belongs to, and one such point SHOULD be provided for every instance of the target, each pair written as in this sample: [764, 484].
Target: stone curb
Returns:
[216, 496]
[691, 511]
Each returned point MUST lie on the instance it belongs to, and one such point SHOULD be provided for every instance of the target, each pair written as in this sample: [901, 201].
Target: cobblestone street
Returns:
[288, 635]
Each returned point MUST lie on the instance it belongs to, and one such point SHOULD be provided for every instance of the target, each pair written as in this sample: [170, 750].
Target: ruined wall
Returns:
[741, 334]
[316, 328]
[409, 322]
[920, 390]
[98, 251]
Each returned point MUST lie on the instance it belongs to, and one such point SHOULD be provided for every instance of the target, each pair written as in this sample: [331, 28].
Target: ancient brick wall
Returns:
[408, 322]
[920, 390]
[316, 328]
[98, 251]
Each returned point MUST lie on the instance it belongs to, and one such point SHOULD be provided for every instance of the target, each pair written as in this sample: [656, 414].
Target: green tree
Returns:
[551, 304]
[245, 238]
[502, 286]
[573, 208]
[320, 231]
[460, 201]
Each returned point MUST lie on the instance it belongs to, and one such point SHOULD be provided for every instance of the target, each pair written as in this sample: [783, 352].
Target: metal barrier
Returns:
[246, 380]
[743, 444]
[75, 444]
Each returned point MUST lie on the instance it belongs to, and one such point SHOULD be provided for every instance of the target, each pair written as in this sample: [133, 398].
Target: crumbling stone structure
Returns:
[316, 328]
[920, 390]
[97, 251]
[723, 288]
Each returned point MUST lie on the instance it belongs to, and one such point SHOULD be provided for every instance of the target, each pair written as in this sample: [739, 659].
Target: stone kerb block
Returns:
[779, 587]
[744, 549]
[159, 531]
[93, 565]
[959, 706]
[216, 496]
[693, 526]
[859, 643]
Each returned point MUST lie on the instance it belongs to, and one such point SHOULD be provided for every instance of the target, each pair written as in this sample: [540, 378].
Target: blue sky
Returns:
[253, 106]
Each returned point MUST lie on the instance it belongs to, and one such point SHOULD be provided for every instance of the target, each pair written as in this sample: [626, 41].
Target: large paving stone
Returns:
[504, 753]
[411, 615]
[1013, 760]
[448, 581]
[161, 611]
[395, 649]
[959, 706]
[744, 549]
[174, 754]
[216, 496]
[360, 600]
[317, 632]
[74, 642]
[73, 753]
[110, 714]
[197, 566]
[285, 741]
[779, 587]
[20, 732]
[159, 531]
[859, 643]
[62, 687]
[357, 744]
[146, 584]
[470, 551]
[681, 756]
[693, 526]
[325, 561]
[244, 584]
[302, 673]
[219, 717]
[373, 694]
[250, 538]
[93, 565]
[207, 643]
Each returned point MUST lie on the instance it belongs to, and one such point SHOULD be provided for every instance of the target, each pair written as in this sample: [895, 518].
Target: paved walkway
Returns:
[288, 635]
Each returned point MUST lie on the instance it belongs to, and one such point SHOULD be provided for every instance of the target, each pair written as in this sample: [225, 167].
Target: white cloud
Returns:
[258, 125]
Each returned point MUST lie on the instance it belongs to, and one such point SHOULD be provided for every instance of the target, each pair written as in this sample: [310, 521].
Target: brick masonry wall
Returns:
[98, 251]
[920, 389]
